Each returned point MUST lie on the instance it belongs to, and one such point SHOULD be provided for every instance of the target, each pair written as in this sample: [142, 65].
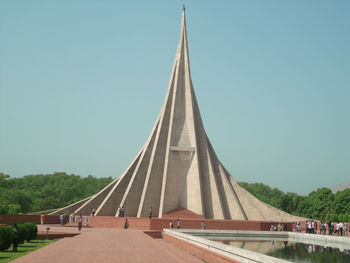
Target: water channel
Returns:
[266, 246]
[293, 251]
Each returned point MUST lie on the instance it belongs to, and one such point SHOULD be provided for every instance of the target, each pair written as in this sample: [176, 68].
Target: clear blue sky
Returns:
[82, 82]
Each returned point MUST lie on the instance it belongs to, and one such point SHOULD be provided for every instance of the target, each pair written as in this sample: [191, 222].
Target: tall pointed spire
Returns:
[177, 167]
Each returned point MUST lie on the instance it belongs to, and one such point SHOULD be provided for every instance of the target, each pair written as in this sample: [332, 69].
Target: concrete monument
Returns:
[177, 167]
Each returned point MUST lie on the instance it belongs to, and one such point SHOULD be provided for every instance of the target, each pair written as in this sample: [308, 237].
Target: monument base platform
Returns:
[186, 223]
[143, 223]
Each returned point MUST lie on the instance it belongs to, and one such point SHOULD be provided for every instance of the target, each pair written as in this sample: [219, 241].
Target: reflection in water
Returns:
[298, 252]
[263, 247]
[295, 252]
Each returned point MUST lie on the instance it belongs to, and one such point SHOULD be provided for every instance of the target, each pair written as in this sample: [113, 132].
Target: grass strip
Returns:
[23, 249]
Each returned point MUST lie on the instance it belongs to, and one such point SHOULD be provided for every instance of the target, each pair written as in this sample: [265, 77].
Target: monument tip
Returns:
[183, 7]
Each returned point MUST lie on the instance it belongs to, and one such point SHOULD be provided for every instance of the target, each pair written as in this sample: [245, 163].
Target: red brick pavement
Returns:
[107, 245]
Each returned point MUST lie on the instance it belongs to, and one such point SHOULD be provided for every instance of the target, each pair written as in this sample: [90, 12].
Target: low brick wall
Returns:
[161, 223]
[42, 235]
[118, 222]
[154, 234]
[20, 219]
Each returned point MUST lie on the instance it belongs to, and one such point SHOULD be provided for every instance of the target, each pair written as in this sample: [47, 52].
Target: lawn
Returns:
[23, 249]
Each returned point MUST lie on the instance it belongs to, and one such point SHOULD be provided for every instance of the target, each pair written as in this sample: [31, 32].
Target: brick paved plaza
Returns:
[107, 245]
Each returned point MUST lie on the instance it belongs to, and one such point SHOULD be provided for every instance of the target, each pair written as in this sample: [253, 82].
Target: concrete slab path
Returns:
[107, 245]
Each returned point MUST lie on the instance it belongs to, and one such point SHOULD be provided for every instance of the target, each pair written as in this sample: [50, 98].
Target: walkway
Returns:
[107, 245]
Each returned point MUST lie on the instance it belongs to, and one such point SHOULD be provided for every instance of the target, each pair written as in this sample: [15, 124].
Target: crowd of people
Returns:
[322, 228]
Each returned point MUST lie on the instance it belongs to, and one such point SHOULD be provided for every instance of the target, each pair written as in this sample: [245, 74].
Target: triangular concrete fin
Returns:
[95, 201]
[111, 203]
[70, 208]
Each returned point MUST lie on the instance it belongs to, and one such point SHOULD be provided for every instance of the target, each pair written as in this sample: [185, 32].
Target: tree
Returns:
[32, 193]
[321, 204]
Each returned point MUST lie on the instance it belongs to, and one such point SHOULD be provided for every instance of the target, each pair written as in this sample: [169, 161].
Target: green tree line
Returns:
[321, 204]
[39, 192]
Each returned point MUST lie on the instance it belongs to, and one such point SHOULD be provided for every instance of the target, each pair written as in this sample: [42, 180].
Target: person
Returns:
[279, 227]
[16, 234]
[86, 219]
[315, 227]
[345, 229]
[341, 225]
[332, 228]
[308, 227]
[126, 224]
[61, 219]
[42, 218]
[171, 225]
[93, 211]
[178, 224]
[311, 227]
[271, 228]
[275, 227]
[337, 229]
[80, 223]
[204, 225]
[150, 212]
[122, 211]
[321, 227]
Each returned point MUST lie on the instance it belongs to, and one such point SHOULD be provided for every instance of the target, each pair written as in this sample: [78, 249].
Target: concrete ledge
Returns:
[321, 240]
[201, 238]
[237, 254]
[197, 251]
